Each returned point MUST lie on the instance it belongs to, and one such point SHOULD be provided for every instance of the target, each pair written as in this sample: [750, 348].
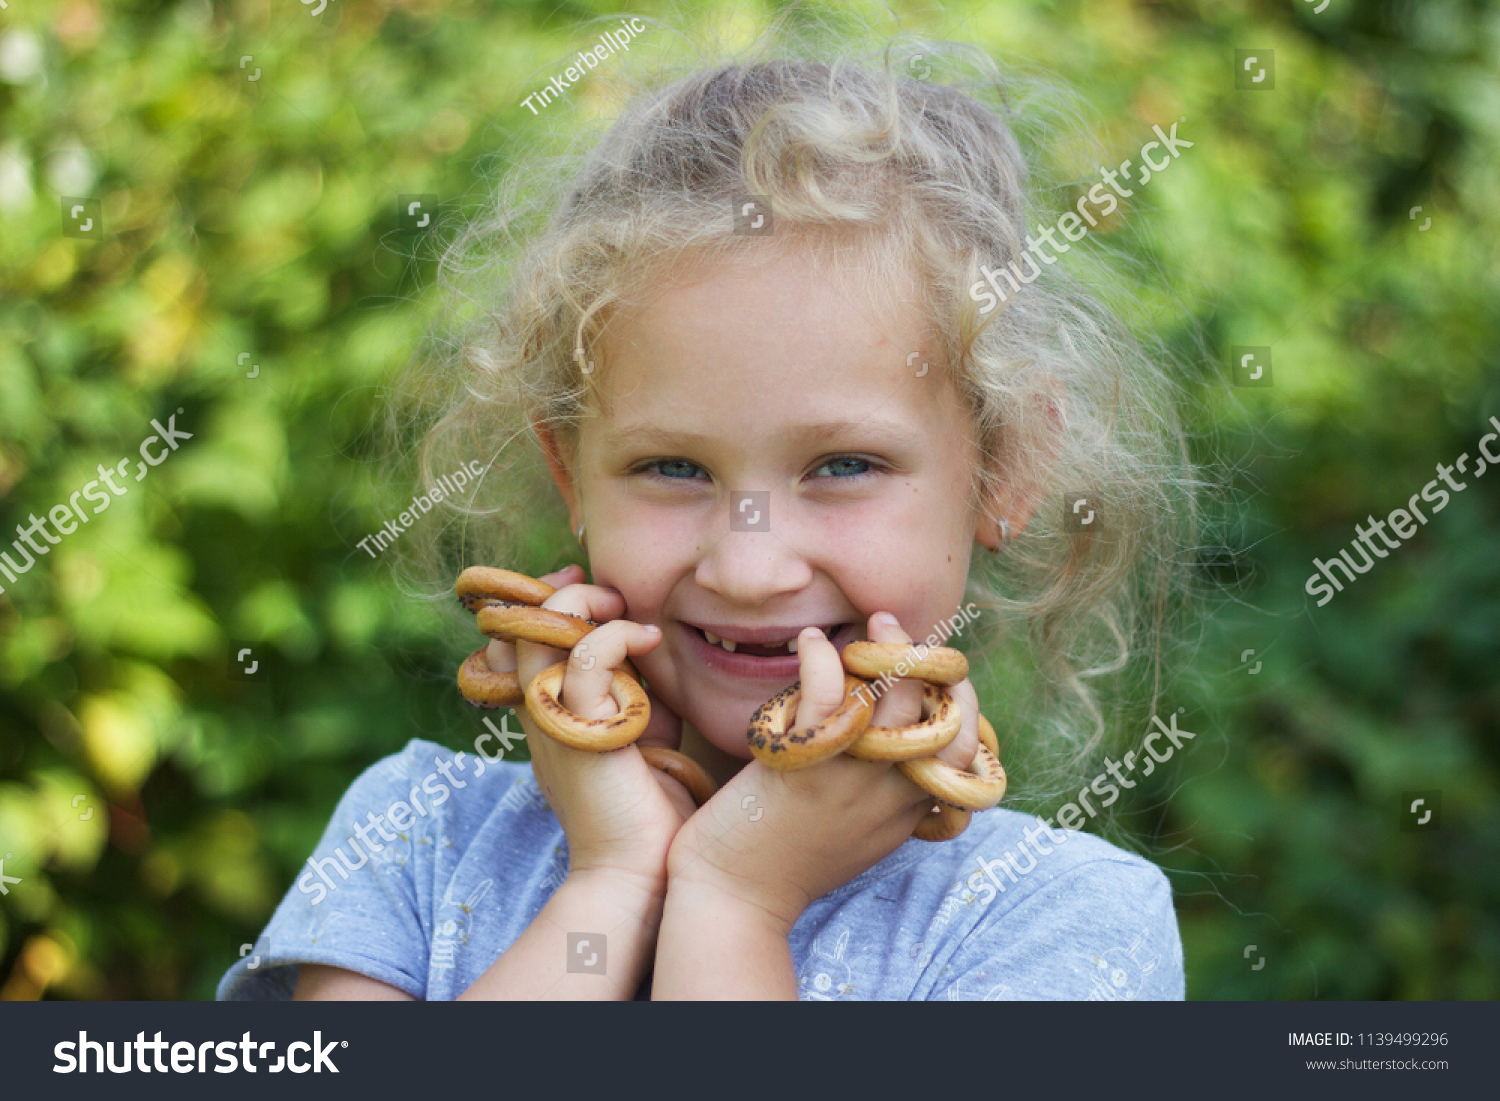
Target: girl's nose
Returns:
[752, 556]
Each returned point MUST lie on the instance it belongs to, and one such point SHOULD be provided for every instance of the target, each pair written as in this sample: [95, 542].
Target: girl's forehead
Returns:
[767, 333]
[776, 295]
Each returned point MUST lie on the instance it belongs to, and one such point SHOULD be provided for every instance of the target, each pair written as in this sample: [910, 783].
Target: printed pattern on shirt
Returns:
[1120, 973]
[827, 976]
[434, 911]
[455, 926]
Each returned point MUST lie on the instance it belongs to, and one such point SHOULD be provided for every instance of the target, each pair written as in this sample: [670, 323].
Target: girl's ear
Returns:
[1030, 474]
[558, 463]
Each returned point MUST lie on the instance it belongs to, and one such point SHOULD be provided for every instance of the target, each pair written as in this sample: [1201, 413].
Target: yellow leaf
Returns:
[119, 741]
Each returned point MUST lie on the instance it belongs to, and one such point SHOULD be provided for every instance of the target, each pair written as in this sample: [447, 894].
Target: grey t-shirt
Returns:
[435, 862]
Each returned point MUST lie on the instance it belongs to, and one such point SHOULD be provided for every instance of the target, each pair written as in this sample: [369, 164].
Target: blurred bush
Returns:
[249, 270]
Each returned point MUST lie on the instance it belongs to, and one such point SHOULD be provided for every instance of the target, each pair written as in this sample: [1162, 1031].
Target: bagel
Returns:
[874, 660]
[508, 622]
[964, 789]
[773, 742]
[987, 736]
[506, 607]
[941, 719]
[595, 735]
[483, 687]
[478, 584]
[682, 768]
[942, 823]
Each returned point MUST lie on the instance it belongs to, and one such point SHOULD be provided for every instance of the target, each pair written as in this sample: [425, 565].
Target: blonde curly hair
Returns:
[929, 182]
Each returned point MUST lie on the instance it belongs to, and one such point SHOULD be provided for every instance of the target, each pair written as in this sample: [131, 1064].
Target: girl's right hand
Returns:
[619, 814]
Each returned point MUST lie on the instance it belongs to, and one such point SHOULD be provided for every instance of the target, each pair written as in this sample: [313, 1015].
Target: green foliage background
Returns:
[258, 216]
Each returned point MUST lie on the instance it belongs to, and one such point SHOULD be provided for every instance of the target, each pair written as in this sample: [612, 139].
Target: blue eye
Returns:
[677, 469]
[845, 466]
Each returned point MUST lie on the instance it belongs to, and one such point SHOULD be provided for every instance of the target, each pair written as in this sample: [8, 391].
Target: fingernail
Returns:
[886, 618]
[652, 629]
[812, 632]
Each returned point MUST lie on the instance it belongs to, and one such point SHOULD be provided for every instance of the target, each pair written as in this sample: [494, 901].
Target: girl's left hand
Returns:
[776, 841]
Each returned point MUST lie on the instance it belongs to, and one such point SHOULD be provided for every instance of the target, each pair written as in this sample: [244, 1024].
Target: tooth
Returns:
[712, 638]
[724, 642]
[791, 645]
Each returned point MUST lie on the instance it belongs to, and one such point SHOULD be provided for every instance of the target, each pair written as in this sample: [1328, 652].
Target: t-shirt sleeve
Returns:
[355, 903]
[1103, 931]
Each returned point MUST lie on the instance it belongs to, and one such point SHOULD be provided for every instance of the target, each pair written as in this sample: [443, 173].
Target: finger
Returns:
[571, 574]
[960, 751]
[593, 602]
[663, 728]
[822, 678]
[679, 795]
[596, 602]
[501, 655]
[592, 665]
[901, 704]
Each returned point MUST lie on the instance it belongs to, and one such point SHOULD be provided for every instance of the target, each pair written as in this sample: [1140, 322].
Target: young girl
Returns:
[750, 351]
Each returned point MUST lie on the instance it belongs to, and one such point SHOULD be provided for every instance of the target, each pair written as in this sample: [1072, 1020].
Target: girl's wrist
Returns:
[634, 887]
[717, 944]
[733, 904]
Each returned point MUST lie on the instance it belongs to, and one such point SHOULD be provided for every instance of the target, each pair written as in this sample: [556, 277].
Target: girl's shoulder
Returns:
[475, 780]
[1013, 908]
[442, 794]
[406, 883]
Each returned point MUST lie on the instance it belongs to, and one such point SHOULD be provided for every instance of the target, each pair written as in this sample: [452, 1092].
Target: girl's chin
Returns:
[736, 747]
[731, 741]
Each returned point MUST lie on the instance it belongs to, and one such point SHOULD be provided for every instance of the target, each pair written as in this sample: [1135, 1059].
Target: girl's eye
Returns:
[681, 470]
[676, 469]
[845, 466]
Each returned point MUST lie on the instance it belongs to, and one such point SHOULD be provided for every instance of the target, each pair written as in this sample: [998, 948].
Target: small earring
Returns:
[1004, 538]
[581, 541]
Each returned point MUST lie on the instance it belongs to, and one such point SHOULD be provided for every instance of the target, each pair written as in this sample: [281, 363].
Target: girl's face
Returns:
[774, 457]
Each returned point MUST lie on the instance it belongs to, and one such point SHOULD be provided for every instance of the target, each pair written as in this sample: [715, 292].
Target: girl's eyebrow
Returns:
[646, 436]
[891, 433]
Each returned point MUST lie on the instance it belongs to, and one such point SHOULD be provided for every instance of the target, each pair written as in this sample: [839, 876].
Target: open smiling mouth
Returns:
[766, 648]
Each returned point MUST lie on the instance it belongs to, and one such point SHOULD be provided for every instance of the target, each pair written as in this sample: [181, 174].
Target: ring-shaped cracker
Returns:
[508, 622]
[772, 742]
[478, 584]
[944, 825]
[948, 822]
[684, 769]
[595, 735]
[966, 789]
[987, 736]
[941, 719]
[873, 660]
[483, 687]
